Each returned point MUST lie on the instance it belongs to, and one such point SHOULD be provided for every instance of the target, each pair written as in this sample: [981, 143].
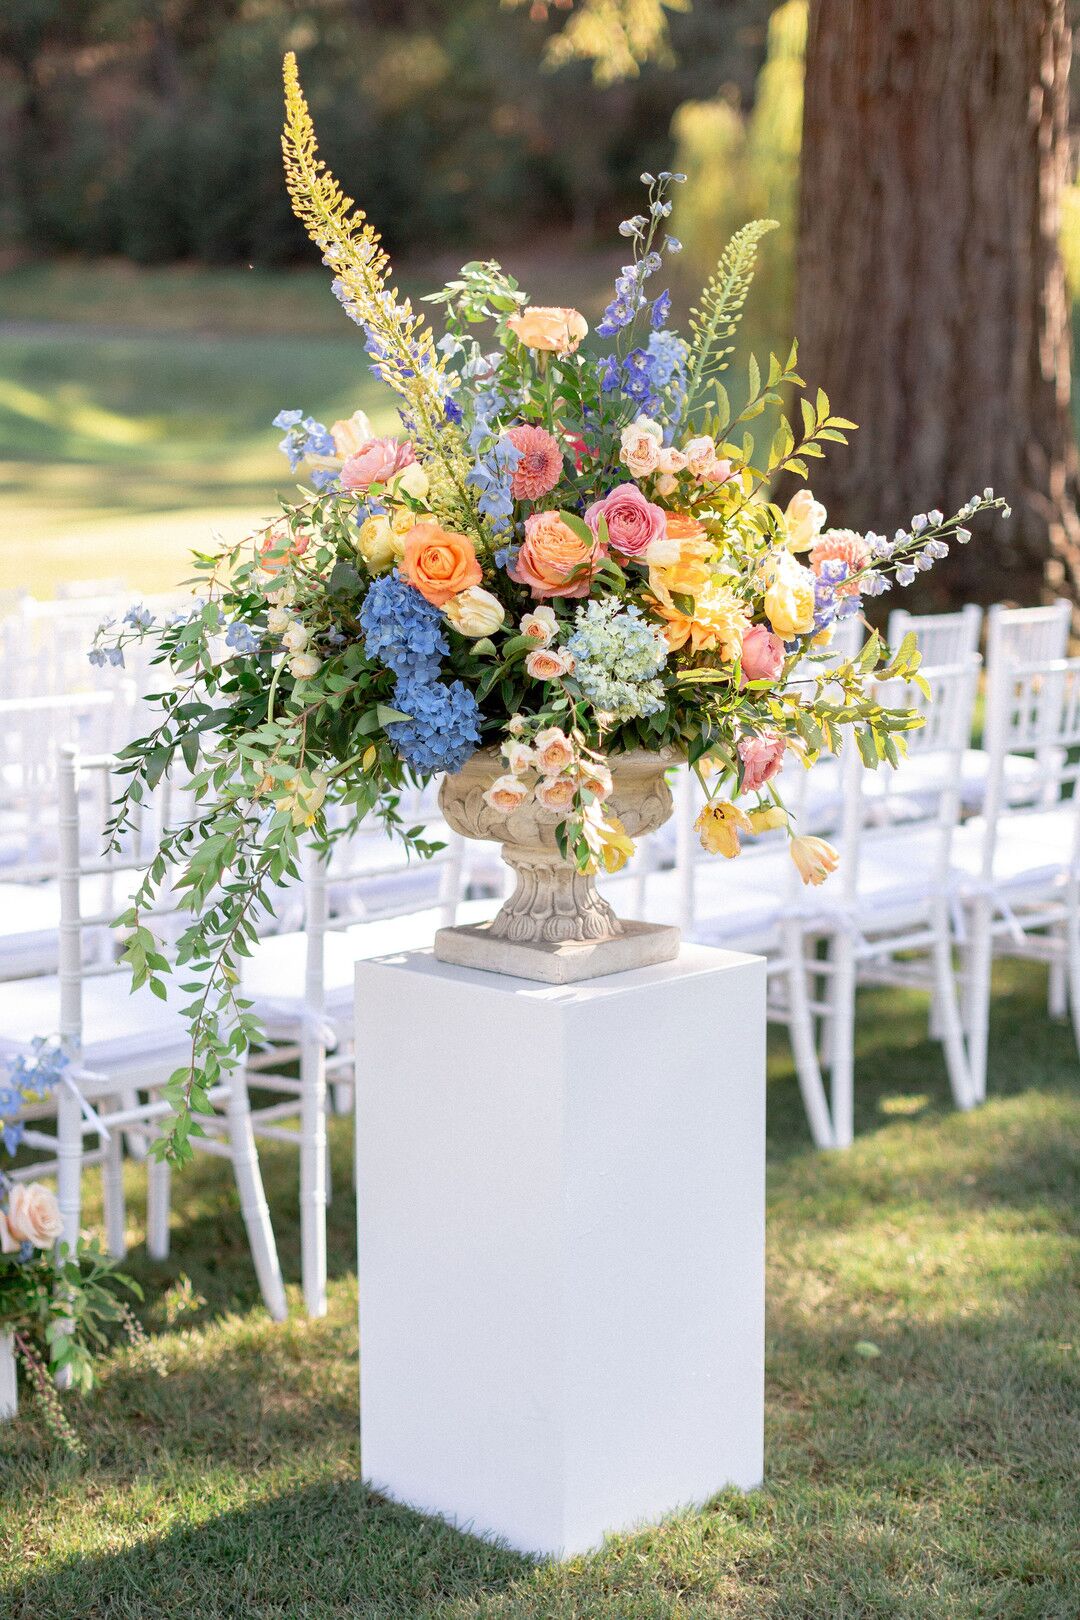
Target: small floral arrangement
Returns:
[569, 551]
[57, 1305]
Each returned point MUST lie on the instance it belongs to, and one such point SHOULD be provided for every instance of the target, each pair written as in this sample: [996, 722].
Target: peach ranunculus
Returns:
[549, 664]
[641, 445]
[439, 563]
[475, 612]
[843, 546]
[595, 778]
[814, 858]
[507, 794]
[519, 757]
[762, 654]
[761, 756]
[554, 750]
[552, 330]
[376, 462]
[553, 560]
[541, 463]
[717, 623]
[633, 523]
[789, 596]
[556, 792]
[33, 1215]
[804, 519]
[540, 626]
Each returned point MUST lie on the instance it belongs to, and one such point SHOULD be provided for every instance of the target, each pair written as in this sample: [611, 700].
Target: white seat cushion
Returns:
[1032, 847]
[120, 1029]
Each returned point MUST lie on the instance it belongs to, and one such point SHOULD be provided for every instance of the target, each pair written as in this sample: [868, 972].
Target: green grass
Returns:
[933, 1481]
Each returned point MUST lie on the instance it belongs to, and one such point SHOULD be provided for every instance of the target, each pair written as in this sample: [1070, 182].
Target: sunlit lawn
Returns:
[923, 1401]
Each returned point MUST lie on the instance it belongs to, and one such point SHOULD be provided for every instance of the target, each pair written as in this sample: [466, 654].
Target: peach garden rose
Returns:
[553, 560]
[439, 563]
[550, 329]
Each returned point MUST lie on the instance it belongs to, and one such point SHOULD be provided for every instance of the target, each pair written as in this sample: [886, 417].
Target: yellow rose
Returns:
[379, 544]
[789, 596]
[475, 612]
[411, 480]
[804, 519]
[553, 331]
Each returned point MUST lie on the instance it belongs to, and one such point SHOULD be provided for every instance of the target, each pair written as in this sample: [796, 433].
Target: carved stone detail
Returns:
[553, 902]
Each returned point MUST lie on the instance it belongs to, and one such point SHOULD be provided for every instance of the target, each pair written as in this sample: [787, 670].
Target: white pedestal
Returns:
[9, 1385]
[561, 1242]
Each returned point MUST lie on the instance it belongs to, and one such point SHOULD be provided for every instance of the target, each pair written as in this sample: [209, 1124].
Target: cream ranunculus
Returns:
[804, 519]
[411, 480]
[507, 794]
[352, 434]
[789, 596]
[296, 637]
[475, 612]
[304, 665]
[33, 1215]
[640, 446]
[700, 453]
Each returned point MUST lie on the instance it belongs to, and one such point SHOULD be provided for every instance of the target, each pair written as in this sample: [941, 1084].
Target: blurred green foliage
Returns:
[150, 128]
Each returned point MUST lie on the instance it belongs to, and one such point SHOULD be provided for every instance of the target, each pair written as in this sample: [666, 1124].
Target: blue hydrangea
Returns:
[618, 657]
[29, 1077]
[401, 629]
[443, 728]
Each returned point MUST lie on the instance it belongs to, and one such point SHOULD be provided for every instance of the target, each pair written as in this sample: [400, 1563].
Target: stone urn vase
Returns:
[555, 927]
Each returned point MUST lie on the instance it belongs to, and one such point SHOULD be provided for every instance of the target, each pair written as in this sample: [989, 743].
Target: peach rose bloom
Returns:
[518, 756]
[845, 546]
[556, 793]
[33, 1215]
[550, 329]
[548, 664]
[679, 563]
[506, 794]
[554, 750]
[376, 462]
[438, 563]
[550, 553]
[540, 625]
[596, 779]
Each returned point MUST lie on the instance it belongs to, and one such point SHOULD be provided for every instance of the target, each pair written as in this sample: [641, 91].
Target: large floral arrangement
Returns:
[57, 1304]
[568, 551]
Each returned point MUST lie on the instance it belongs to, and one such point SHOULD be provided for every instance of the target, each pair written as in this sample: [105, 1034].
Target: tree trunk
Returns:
[931, 300]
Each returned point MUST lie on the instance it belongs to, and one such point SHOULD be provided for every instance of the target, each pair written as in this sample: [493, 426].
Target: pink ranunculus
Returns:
[761, 759]
[633, 523]
[762, 654]
[376, 462]
[540, 467]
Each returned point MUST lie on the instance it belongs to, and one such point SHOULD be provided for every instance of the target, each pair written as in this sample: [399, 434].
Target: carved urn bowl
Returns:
[555, 926]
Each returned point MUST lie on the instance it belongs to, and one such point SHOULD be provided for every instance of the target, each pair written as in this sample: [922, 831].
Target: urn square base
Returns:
[563, 961]
[561, 1223]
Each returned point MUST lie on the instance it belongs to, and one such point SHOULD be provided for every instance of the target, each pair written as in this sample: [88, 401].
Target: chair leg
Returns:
[313, 1179]
[800, 1024]
[978, 967]
[842, 1041]
[1057, 990]
[69, 1153]
[158, 1194]
[134, 1141]
[253, 1203]
[1072, 953]
[112, 1179]
[946, 1005]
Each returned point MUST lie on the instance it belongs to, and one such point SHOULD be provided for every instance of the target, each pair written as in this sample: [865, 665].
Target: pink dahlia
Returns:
[540, 467]
[845, 546]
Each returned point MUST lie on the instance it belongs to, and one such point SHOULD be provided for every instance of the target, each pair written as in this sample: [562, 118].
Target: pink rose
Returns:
[762, 654]
[376, 463]
[633, 523]
[761, 759]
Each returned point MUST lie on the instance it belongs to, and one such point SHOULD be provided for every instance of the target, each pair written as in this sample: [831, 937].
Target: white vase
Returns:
[555, 927]
[9, 1389]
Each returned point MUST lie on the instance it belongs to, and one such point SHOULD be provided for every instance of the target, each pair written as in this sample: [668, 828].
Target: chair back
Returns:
[1033, 709]
[943, 639]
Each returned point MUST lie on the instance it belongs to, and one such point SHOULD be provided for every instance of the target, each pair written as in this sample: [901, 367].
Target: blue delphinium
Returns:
[618, 656]
[28, 1077]
[304, 437]
[492, 476]
[443, 729]
[650, 374]
[402, 630]
[241, 638]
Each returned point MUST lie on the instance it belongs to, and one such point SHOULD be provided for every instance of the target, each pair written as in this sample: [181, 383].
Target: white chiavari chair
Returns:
[1019, 864]
[122, 1045]
[943, 638]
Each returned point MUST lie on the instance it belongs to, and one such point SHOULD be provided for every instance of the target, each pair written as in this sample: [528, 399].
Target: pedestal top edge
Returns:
[693, 961]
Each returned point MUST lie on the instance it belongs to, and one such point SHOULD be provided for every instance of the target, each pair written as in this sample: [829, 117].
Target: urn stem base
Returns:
[637, 945]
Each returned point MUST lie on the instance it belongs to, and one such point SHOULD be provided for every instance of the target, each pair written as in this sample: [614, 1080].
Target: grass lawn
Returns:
[923, 1410]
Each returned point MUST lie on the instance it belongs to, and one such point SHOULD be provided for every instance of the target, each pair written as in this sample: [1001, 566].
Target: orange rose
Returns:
[551, 554]
[438, 563]
[556, 331]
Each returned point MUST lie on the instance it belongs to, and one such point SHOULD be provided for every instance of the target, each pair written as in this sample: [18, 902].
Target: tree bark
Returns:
[931, 299]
